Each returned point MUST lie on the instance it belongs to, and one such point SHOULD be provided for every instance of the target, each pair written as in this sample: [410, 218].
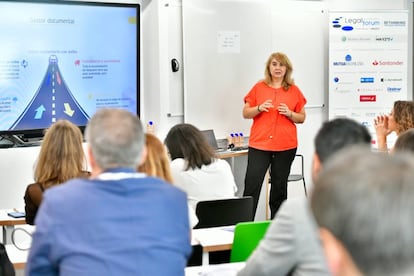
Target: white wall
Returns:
[319, 69]
[162, 90]
[337, 5]
[16, 164]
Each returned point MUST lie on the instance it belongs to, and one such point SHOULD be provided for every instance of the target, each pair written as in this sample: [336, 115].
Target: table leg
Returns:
[7, 232]
[206, 258]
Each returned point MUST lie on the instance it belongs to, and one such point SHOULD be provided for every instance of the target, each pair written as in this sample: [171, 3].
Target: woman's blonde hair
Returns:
[284, 60]
[403, 115]
[157, 163]
[61, 155]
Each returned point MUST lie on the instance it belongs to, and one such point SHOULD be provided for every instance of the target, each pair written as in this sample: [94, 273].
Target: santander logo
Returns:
[387, 63]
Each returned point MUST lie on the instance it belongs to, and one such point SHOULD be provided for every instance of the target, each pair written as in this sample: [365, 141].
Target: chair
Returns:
[247, 236]
[223, 212]
[220, 212]
[292, 177]
[301, 176]
[6, 266]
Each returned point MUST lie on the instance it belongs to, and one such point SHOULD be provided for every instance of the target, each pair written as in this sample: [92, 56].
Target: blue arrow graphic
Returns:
[39, 112]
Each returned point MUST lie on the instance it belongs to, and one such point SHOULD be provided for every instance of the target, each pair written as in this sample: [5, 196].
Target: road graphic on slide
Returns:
[52, 101]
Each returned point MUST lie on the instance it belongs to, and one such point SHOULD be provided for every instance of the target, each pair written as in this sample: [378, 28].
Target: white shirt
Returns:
[214, 181]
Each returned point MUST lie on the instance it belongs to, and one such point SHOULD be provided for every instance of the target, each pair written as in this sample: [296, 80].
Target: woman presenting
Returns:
[276, 105]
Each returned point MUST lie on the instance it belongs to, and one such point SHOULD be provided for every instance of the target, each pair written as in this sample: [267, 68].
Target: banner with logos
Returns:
[368, 54]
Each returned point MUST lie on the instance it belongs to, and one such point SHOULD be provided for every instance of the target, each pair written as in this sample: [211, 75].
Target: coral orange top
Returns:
[272, 131]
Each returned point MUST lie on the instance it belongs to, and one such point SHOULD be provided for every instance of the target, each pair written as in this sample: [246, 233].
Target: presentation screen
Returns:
[66, 60]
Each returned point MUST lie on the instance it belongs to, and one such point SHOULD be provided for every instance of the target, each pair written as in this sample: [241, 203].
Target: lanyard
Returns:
[119, 175]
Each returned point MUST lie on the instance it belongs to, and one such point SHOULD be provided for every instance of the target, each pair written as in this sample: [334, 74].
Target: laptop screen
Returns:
[211, 138]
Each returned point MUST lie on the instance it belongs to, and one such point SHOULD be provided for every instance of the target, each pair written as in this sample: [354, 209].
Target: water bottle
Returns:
[241, 137]
[151, 127]
[236, 140]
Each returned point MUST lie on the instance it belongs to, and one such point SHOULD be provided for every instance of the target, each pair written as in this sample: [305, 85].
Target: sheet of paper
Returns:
[213, 236]
[227, 269]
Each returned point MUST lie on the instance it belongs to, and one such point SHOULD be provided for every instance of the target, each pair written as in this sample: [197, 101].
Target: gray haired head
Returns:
[116, 138]
[366, 200]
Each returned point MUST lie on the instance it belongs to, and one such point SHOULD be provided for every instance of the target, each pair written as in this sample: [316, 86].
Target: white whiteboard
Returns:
[219, 72]
[299, 29]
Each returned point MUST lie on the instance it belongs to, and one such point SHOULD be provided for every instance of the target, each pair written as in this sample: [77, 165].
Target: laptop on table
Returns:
[211, 139]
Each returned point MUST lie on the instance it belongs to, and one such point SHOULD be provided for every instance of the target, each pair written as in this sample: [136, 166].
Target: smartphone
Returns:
[16, 214]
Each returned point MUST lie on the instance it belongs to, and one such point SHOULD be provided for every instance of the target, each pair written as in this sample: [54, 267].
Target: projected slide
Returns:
[53, 100]
[65, 61]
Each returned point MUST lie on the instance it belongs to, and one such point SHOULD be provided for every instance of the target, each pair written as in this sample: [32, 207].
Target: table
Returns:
[238, 163]
[213, 239]
[16, 256]
[227, 269]
[19, 259]
[231, 155]
[8, 224]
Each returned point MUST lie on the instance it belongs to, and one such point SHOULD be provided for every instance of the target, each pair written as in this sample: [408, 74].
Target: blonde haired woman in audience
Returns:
[400, 119]
[157, 164]
[61, 158]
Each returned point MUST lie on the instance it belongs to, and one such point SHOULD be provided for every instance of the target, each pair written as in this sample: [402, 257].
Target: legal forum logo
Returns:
[348, 24]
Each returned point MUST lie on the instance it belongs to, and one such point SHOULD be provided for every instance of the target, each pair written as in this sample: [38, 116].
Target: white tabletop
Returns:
[214, 238]
[227, 269]
[8, 220]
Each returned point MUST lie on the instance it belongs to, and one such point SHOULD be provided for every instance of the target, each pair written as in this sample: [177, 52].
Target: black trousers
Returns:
[257, 164]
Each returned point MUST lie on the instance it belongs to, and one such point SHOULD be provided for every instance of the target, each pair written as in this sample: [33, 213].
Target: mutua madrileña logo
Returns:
[347, 62]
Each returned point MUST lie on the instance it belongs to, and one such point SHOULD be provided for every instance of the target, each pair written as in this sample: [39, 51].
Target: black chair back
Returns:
[222, 212]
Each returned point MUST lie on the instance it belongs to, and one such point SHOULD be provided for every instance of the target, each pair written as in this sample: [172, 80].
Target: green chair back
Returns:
[247, 236]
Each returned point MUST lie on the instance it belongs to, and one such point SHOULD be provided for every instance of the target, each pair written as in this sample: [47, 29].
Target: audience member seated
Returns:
[363, 203]
[195, 168]
[119, 221]
[400, 119]
[157, 164]
[61, 158]
[405, 142]
[291, 245]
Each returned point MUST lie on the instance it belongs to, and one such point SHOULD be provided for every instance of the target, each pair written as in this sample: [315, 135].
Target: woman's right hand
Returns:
[266, 105]
[381, 125]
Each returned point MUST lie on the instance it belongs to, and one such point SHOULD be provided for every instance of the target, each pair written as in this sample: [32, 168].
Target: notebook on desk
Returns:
[211, 139]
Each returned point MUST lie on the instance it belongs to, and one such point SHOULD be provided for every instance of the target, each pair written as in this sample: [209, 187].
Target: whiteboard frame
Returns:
[410, 49]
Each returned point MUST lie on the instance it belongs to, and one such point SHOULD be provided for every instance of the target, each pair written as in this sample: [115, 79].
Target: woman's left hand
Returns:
[284, 110]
